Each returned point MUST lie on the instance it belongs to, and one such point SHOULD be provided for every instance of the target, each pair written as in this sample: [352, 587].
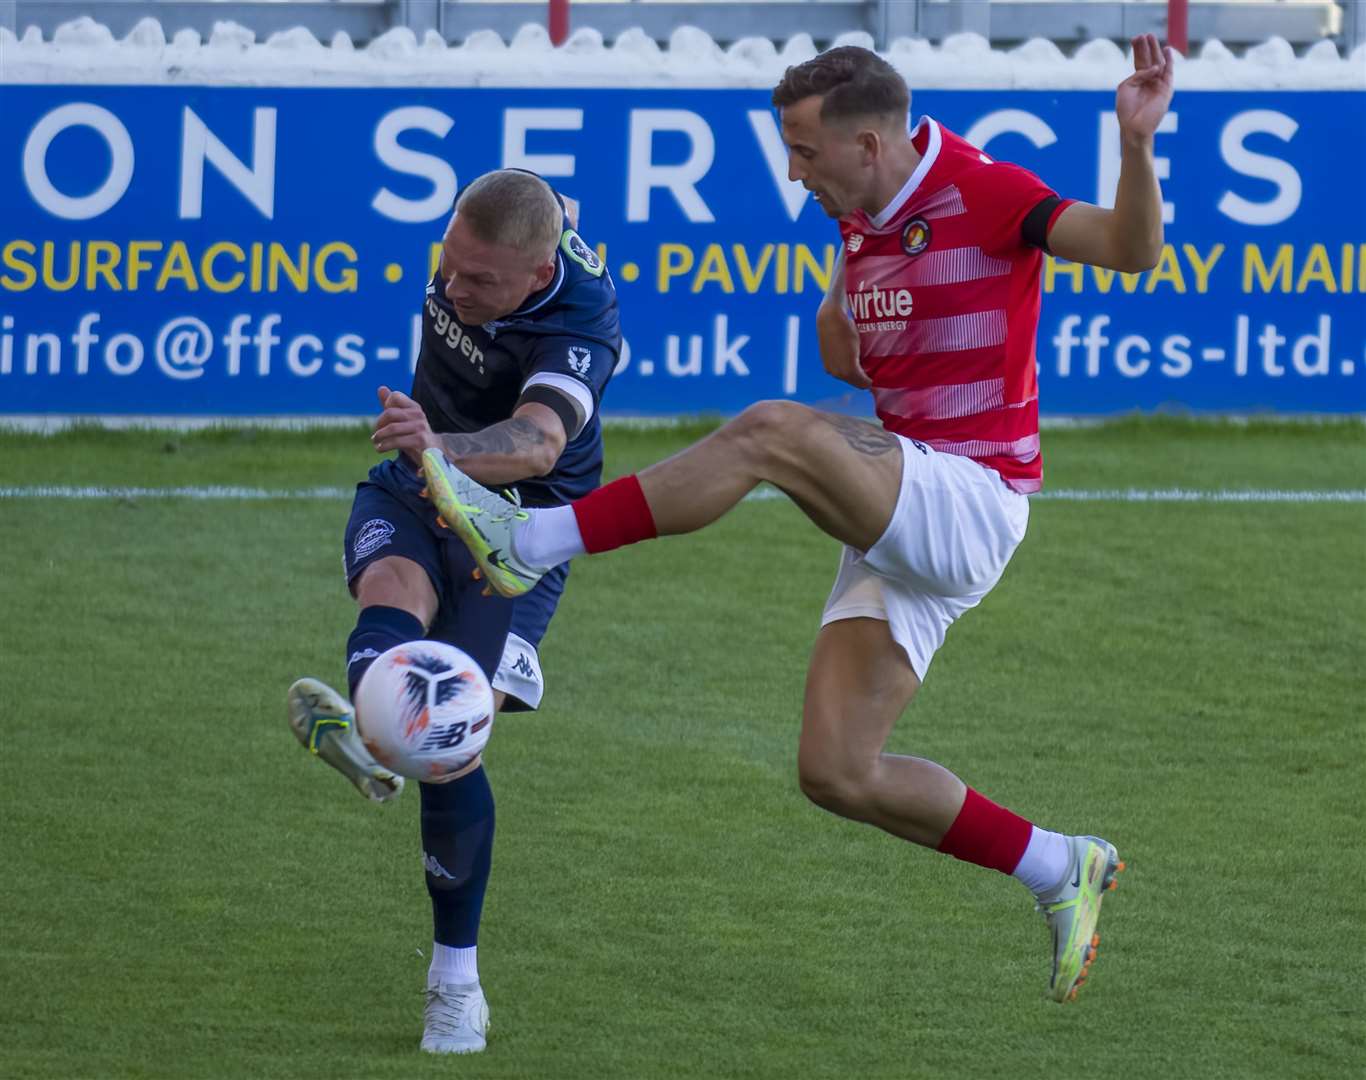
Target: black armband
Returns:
[562, 405]
[1034, 231]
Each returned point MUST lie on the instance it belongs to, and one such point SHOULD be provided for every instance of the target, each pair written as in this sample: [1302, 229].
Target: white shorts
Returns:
[955, 527]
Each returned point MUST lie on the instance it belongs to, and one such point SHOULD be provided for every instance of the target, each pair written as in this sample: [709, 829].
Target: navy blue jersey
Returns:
[567, 337]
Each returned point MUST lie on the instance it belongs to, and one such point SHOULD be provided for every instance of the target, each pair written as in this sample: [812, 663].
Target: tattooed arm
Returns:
[527, 444]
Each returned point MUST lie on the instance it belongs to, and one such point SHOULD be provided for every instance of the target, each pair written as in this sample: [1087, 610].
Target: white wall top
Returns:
[85, 51]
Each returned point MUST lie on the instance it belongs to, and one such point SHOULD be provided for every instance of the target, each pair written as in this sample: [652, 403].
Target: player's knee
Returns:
[397, 582]
[765, 429]
[840, 790]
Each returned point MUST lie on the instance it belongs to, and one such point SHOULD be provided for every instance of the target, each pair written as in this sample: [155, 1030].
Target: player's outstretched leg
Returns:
[324, 722]
[844, 473]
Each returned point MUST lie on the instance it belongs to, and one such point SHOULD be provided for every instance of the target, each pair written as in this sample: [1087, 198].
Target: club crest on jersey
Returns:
[915, 237]
[572, 244]
[854, 242]
[580, 359]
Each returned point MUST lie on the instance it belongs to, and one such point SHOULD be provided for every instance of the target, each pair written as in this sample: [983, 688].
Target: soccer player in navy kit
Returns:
[520, 337]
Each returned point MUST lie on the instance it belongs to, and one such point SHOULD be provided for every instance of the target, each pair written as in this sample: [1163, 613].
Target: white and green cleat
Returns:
[324, 722]
[1072, 911]
[486, 523]
[456, 1020]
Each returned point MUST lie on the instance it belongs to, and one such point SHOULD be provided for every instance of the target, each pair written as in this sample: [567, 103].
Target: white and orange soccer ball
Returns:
[424, 710]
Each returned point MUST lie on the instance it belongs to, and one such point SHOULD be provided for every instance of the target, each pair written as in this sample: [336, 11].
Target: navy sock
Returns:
[457, 849]
[378, 629]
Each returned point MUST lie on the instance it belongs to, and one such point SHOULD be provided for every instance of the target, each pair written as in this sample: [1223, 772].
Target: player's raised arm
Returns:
[1129, 237]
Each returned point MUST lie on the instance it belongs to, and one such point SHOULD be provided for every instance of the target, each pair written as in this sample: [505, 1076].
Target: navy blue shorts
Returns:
[389, 517]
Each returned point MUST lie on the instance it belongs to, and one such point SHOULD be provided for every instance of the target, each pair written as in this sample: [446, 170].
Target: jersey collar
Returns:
[927, 125]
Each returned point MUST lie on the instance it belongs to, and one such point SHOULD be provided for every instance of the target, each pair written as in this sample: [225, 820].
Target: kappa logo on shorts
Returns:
[523, 667]
[372, 536]
[915, 237]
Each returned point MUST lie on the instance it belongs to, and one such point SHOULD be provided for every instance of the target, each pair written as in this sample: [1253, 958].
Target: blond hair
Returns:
[515, 209]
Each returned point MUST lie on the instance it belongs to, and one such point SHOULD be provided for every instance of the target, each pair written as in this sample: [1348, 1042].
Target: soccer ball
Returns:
[425, 710]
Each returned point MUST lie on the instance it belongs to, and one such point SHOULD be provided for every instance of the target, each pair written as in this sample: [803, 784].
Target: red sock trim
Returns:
[614, 515]
[987, 834]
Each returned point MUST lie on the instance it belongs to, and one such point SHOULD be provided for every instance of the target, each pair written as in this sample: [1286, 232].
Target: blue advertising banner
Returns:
[257, 251]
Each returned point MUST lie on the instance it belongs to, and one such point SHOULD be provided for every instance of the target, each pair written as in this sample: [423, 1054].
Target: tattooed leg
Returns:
[866, 438]
[845, 474]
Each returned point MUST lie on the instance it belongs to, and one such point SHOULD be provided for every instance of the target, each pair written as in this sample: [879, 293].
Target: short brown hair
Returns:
[852, 82]
[514, 208]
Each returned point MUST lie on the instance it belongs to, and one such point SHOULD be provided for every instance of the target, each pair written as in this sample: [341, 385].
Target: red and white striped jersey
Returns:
[945, 293]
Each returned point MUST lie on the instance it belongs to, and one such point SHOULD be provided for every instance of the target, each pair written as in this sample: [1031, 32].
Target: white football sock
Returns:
[550, 537]
[1046, 861]
[450, 964]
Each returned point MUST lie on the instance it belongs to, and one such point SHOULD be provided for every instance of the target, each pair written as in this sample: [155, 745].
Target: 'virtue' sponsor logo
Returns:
[878, 303]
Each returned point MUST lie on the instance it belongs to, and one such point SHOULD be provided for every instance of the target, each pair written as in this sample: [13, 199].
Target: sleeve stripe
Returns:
[576, 391]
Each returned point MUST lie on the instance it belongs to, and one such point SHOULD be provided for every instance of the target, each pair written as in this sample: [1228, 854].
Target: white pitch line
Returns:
[1130, 495]
[229, 494]
[1195, 495]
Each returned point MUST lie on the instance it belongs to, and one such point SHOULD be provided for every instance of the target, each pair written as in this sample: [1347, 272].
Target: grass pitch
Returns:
[186, 894]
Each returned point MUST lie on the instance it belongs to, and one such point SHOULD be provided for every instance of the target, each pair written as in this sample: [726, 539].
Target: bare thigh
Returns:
[857, 686]
[859, 683]
[844, 473]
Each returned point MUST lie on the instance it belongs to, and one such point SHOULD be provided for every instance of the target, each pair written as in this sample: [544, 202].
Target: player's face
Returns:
[488, 281]
[827, 159]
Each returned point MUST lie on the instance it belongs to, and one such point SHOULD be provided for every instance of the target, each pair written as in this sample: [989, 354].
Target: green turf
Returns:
[186, 894]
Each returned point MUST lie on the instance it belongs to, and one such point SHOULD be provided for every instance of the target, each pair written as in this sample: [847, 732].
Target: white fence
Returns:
[1300, 22]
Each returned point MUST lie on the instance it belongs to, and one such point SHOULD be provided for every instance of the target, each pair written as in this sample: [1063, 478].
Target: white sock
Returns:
[450, 964]
[550, 537]
[1046, 861]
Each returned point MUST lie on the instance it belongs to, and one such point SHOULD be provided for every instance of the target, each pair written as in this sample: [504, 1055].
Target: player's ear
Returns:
[545, 273]
[870, 145]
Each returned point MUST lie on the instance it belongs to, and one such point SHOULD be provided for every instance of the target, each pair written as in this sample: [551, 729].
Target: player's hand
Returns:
[839, 344]
[1143, 97]
[402, 426]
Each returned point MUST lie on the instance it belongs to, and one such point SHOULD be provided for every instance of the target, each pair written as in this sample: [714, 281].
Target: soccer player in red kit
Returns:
[934, 309]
